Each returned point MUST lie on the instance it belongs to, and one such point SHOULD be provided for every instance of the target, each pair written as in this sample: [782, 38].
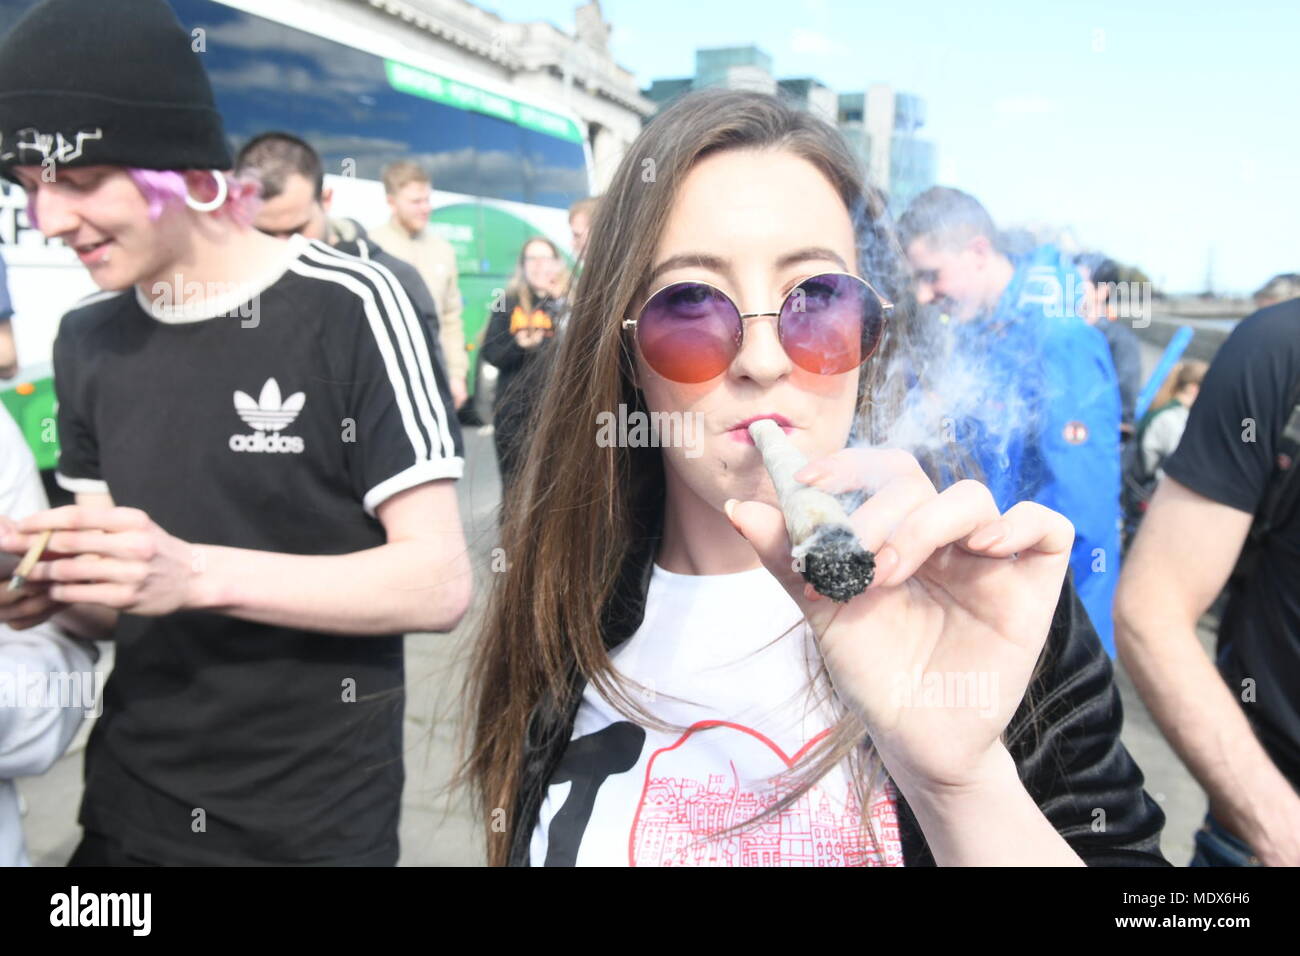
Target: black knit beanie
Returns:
[106, 82]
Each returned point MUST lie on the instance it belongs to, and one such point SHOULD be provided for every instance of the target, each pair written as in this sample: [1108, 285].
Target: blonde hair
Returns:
[403, 173]
[1189, 372]
[584, 207]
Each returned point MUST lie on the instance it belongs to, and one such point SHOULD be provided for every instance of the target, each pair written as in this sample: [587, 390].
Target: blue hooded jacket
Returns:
[1048, 429]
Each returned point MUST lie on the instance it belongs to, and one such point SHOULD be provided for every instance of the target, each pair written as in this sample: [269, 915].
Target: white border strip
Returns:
[81, 486]
[416, 355]
[418, 474]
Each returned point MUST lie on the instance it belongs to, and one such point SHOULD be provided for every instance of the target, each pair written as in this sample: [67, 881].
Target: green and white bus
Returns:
[504, 166]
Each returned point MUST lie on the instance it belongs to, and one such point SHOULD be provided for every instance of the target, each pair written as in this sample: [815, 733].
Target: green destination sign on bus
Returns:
[441, 89]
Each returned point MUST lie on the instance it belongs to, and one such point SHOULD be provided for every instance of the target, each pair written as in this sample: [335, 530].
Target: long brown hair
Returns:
[518, 285]
[580, 510]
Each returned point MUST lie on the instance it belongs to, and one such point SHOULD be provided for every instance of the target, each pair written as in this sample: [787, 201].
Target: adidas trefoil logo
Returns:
[268, 415]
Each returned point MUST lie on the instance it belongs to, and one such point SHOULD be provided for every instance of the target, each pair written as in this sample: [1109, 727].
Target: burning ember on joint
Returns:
[833, 561]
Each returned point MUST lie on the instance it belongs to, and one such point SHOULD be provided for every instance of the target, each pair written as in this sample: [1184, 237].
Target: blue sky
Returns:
[1161, 132]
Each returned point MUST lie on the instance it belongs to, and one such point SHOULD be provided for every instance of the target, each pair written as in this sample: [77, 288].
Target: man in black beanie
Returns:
[262, 450]
[84, 82]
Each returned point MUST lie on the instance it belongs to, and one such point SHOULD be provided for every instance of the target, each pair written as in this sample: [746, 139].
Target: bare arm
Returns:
[995, 824]
[419, 580]
[1181, 559]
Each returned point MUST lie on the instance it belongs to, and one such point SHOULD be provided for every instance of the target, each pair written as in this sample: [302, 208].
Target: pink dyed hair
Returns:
[166, 187]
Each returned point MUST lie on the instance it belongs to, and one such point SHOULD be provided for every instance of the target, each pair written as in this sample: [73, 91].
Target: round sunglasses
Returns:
[828, 324]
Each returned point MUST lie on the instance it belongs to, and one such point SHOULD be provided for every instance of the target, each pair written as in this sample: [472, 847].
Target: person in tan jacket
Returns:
[407, 237]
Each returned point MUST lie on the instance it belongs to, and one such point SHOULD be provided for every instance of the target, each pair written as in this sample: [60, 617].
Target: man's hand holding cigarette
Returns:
[103, 559]
[113, 557]
[28, 604]
[959, 590]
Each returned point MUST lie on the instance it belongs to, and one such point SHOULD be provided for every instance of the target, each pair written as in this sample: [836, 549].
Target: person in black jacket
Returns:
[656, 684]
[518, 341]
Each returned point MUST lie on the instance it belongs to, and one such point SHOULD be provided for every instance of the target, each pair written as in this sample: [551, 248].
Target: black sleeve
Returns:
[420, 297]
[78, 469]
[499, 345]
[406, 431]
[1227, 450]
[1065, 739]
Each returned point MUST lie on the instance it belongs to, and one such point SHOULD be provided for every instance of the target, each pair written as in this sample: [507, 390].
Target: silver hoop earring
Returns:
[223, 191]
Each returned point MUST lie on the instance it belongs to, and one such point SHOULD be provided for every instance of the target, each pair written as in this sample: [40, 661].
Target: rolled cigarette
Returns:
[830, 556]
[29, 561]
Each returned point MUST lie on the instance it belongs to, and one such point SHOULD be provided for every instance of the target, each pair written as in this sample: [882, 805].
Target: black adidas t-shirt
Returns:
[278, 426]
[1228, 454]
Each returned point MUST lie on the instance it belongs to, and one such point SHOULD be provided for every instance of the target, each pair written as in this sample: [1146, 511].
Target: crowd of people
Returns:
[649, 655]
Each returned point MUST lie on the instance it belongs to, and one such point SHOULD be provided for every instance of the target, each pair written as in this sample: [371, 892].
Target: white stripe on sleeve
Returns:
[414, 350]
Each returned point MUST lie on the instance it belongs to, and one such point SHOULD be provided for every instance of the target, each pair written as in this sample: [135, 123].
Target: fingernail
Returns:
[886, 562]
[730, 508]
[809, 474]
[989, 536]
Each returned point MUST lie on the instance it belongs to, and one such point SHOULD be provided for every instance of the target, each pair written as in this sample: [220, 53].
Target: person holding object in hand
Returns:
[263, 459]
[656, 683]
[518, 341]
[49, 673]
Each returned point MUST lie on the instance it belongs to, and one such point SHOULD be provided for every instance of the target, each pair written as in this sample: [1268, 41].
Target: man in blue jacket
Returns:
[1045, 426]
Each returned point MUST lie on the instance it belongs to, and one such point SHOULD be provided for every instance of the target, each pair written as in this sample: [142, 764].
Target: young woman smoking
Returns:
[656, 682]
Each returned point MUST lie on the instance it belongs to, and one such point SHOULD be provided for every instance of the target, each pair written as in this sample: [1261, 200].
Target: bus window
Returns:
[557, 170]
[499, 145]
[11, 10]
[440, 139]
[267, 76]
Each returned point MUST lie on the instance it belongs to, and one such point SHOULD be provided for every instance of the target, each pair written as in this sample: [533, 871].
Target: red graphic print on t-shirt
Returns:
[685, 804]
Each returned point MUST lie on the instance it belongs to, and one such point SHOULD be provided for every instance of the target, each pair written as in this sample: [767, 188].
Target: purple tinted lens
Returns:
[830, 323]
[689, 332]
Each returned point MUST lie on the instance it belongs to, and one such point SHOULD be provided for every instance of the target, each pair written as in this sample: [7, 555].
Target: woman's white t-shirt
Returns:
[708, 655]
